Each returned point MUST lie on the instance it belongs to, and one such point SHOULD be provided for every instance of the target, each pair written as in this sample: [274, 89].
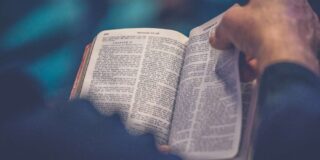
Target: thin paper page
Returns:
[207, 117]
[135, 72]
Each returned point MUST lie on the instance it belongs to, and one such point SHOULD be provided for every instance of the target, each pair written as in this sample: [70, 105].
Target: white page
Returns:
[208, 114]
[136, 72]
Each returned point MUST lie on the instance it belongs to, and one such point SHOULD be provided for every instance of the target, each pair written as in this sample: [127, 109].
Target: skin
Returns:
[271, 31]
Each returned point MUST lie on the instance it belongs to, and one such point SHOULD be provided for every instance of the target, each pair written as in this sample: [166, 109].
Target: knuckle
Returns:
[230, 15]
[233, 16]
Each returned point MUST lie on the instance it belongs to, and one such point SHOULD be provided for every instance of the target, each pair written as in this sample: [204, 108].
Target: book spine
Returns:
[77, 82]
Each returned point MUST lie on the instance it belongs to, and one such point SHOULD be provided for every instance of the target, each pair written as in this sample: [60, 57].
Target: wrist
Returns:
[287, 50]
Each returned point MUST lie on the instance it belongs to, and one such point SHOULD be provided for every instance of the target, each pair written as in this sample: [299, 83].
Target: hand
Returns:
[271, 31]
[164, 149]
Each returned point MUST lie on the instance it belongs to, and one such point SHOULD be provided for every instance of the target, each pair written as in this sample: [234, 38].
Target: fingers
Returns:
[220, 39]
[247, 69]
[164, 148]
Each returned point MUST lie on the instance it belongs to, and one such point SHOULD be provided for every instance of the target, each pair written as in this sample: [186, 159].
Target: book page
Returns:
[208, 114]
[135, 72]
[248, 93]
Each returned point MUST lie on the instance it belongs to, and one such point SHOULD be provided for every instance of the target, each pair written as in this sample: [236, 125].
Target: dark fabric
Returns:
[289, 101]
[69, 131]
[289, 104]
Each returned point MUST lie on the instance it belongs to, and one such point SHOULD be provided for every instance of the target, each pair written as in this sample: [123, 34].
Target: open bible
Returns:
[179, 88]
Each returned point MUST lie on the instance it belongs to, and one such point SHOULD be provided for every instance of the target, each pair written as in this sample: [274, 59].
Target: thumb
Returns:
[219, 39]
[164, 148]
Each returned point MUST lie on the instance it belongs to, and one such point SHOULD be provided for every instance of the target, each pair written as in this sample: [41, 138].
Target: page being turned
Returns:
[135, 72]
[207, 117]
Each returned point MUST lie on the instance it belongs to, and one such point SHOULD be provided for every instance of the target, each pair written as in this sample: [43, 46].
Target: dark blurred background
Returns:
[46, 38]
